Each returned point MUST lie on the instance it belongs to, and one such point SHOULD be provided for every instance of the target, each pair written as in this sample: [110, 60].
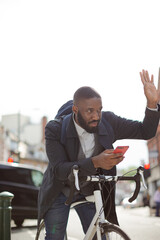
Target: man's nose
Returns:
[96, 115]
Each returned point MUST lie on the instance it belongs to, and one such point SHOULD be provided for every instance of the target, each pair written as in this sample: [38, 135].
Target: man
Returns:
[157, 201]
[89, 136]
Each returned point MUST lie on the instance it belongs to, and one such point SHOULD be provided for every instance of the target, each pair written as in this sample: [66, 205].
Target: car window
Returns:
[36, 178]
[17, 175]
[21, 175]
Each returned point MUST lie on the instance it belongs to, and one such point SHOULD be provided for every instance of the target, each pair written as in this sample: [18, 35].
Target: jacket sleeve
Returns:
[129, 129]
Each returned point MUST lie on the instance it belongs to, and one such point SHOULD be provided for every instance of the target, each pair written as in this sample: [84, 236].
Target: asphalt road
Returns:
[137, 223]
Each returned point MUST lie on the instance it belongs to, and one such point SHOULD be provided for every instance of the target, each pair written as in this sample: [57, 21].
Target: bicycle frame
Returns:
[99, 225]
[97, 219]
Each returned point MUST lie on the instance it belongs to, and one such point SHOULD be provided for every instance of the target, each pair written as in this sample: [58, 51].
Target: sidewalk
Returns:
[139, 211]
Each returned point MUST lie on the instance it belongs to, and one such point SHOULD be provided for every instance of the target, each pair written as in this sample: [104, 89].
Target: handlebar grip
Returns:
[137, 189]
[71, 179]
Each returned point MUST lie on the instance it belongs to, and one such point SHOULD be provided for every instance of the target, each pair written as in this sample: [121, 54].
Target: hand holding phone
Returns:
[121, 149]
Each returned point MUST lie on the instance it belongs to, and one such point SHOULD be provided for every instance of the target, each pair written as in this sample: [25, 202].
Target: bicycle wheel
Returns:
[41, 232]
[113, 232]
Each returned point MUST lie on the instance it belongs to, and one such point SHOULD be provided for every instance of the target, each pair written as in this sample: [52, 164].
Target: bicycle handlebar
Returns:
[74, 181]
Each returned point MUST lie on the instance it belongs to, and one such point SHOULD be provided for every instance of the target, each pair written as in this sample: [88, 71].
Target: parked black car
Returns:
[24, 182]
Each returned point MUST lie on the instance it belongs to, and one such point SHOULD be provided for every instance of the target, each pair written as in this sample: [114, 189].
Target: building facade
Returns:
[22, 140]
[154, 160]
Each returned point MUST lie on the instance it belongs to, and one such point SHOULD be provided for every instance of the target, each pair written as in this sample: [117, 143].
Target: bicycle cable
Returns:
[110, 191]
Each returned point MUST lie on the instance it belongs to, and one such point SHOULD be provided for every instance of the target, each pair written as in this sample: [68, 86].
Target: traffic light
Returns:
[10, 160]
[147, 171]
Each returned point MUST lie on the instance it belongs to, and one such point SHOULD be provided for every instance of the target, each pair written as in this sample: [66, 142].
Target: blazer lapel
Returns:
[104, 137]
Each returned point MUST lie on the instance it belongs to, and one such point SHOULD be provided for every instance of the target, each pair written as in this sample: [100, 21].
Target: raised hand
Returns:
[150, 90]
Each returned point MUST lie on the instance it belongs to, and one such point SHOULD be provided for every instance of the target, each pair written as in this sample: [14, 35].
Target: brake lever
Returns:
[75, 173]
[141, 171]
[74, 183]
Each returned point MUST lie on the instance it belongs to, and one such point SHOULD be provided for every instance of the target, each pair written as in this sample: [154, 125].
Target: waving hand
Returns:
[150, 90]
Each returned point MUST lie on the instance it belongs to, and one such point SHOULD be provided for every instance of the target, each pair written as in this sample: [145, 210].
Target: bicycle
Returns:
[99, 225]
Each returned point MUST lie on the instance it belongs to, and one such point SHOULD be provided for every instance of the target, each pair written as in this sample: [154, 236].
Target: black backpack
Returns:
[65, 109]
[64, 112]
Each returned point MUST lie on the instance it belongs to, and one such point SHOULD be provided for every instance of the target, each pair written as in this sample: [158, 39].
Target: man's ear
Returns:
[75, 109]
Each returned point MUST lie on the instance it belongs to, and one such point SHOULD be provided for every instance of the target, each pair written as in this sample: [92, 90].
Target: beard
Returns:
[85, 125]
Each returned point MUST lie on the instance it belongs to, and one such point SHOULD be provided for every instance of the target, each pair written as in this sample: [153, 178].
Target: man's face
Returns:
[88, 114]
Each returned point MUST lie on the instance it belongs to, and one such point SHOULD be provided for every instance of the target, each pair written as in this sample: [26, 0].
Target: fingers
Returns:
[116, 155]
[115, 162]
[152, 78]
[108, 151]
[118, 159]
[142, 78]
[113, 159]
[145, 77]
[107, 159]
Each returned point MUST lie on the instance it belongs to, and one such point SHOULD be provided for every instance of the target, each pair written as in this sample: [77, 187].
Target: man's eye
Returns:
[89, 110]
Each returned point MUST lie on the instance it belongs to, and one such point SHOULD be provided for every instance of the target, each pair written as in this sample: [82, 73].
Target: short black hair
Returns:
[85, 93]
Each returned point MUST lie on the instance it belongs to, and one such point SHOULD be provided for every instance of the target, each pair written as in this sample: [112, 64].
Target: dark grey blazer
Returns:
[63, 156]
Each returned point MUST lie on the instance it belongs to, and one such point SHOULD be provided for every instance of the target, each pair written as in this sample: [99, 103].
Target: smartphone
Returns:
[121, 149]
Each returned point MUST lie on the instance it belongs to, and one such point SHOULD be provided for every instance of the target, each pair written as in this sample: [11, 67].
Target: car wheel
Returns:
[18, 222]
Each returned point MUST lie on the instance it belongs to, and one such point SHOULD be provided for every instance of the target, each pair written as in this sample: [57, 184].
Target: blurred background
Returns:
[48, 49]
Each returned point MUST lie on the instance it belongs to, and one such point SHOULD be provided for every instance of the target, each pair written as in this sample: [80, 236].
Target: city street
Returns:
[136, 222]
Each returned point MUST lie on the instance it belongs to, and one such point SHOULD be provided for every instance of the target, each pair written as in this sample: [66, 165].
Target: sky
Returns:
[48, 49]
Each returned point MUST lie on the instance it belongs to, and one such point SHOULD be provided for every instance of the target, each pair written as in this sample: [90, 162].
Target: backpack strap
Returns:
[65, 122]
